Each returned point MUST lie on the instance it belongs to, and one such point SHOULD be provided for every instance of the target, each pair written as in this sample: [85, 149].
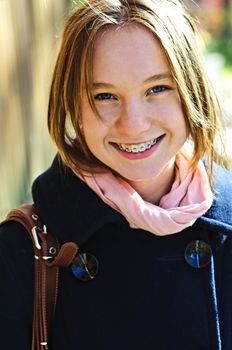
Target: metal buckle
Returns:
[35, 235]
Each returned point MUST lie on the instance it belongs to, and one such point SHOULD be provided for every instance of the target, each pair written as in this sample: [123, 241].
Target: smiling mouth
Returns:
[138, 148]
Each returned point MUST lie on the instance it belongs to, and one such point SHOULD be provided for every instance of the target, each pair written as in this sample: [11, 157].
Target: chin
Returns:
[137, 177]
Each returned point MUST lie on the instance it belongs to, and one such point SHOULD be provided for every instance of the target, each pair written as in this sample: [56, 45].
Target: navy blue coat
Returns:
[146, 295]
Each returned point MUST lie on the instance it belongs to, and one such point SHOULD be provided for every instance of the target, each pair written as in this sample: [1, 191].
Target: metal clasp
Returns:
[43, 343]
[35, 235]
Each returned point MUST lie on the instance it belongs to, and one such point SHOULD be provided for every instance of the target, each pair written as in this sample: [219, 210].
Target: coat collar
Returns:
[219, 216]
[73, 212]
[69, 208]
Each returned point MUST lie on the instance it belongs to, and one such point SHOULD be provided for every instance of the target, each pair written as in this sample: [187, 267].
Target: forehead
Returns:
[129, 49]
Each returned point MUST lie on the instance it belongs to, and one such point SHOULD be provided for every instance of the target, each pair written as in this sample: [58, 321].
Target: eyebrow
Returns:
[155, 77]
[161, 76]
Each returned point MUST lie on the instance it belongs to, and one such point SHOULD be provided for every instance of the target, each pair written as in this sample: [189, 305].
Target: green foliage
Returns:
[74, 4]
[223, 42]
[223, 45]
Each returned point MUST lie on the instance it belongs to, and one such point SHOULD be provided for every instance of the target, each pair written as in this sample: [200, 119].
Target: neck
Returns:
[154, 188]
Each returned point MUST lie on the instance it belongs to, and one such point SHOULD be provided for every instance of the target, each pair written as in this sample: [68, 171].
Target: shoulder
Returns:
[16, 253]
[14, 236]
[222, 181]
[222, 205]
[219, 216]
[17, 286]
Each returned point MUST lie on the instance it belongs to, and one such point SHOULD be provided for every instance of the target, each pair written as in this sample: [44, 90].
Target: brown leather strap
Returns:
[48, 257]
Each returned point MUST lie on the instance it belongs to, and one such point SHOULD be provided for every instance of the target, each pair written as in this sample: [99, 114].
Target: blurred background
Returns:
[30, 33]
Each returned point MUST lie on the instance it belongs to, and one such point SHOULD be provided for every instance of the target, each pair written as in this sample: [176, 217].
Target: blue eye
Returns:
[104, 96]
[158, 89]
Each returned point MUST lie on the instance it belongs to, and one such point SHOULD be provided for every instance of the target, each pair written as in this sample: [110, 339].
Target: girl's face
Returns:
[142, 126]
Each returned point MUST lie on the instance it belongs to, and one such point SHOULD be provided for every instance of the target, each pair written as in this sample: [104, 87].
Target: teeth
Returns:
[134, 149]
[142, 147]
[154, 142]
[137, 148]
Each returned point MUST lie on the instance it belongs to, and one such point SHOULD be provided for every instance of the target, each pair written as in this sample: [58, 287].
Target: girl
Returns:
[137, 184]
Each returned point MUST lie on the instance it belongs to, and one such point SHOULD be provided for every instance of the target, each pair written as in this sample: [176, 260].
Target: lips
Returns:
[138, 148]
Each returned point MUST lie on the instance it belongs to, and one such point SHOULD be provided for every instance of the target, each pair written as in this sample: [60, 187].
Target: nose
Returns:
[133, 118]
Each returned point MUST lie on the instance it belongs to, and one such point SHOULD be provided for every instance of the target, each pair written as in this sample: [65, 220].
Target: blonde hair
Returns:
[175, 31]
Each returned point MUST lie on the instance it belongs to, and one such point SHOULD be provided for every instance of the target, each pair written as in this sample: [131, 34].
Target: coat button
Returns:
[198, 254]
[84, 266]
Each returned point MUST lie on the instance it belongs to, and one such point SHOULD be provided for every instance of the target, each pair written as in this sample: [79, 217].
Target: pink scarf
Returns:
[189, 198]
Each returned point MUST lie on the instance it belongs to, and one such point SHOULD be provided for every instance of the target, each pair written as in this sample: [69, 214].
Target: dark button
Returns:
[198, 254]
[85, 266]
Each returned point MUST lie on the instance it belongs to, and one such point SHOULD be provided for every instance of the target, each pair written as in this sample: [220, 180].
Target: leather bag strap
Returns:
[49, 256]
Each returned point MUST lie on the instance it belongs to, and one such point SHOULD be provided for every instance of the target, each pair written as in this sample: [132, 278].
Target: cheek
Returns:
[170, 111]
[94, 130]
[92, 123]
[108, 113]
